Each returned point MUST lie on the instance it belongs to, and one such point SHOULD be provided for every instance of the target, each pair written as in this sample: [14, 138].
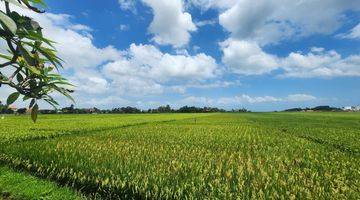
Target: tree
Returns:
[69, 110]
[21, 111]
[2, 108]
[31, 64]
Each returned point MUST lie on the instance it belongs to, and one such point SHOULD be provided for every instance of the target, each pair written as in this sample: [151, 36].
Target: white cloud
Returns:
[177, 89]
[248, 58]
[148, 61]
[171, 25]
[197, 101]
[254, 24]
[300, 98]
[75, 46]
[244, 99]
[215, 84]
[206, 23]
[89, 81]
[103, 102]
[128, 5]
[320, 63]
[211, 4]
[243, 19]
[124, 27]
[146, 69]
[196, 48]
[135, 86]
[243, 57]
[74, 42]
[354, 33]
[269, 22]
[80, 27]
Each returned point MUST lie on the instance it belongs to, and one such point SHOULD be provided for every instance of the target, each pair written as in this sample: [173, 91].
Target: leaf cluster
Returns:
[31, 57]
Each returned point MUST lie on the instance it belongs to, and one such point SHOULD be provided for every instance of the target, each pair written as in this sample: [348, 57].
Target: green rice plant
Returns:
[15, 128]
[220, 156]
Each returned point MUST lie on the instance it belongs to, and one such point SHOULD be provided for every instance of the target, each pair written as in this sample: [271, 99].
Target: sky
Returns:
[262, 55]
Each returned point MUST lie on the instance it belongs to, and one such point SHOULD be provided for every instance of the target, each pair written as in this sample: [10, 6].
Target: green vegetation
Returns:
[29, 65]
[194, 156]
[16, 185]
[17, 128]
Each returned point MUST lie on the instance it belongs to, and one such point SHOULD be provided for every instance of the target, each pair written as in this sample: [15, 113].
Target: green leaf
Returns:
[28, 58]
[15, 2]
[5, 57]
[52, 102]
[8, 22]
[41, 2]
[33, 101]
[63, 92]
[34, 113]
[26, 98]
[50, 55]
[12, 98]
[19, 78]
[31, 35]
[63, 83]
[34, 70]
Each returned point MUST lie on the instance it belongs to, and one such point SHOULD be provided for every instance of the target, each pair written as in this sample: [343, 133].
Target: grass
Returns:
[17, 185]
[225, 156]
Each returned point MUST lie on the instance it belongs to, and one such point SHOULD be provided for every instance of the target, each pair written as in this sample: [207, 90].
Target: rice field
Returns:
[190, 156]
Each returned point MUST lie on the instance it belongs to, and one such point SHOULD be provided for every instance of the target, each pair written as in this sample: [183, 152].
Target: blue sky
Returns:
[263, 55]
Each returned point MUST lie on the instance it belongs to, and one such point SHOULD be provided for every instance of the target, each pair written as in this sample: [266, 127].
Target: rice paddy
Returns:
[191, 156]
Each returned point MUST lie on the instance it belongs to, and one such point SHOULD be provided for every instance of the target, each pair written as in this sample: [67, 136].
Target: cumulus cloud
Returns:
[145, 67]
[273, 21]
[89, 81]
[243, 19]
[254, 24]
[149, 61]
[171, 25]
[320, 63]
[247, 58]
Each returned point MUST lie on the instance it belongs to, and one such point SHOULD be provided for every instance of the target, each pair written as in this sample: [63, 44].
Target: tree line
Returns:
[121, 110]
[135, 110]
[317, 108]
